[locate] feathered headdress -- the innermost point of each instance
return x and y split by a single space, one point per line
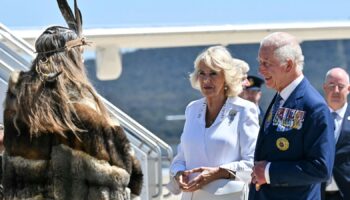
74 22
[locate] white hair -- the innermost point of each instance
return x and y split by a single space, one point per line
242 65
218 58
286 47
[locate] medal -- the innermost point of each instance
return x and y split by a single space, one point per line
282 144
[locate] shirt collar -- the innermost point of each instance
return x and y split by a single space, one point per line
285 93
341 111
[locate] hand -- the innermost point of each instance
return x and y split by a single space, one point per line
182 179
258 174
205 176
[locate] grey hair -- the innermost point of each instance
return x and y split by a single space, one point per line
218 58
286 47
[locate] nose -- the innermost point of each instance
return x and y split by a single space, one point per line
205 79
261 69
245 83
336 89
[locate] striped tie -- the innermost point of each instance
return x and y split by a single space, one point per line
273 111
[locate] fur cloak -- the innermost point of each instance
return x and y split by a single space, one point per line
95 164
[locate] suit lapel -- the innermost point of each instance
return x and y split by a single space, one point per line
262 127
296 96
345 127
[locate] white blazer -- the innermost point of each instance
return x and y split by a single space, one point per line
228 143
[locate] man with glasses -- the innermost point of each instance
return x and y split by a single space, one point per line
336 89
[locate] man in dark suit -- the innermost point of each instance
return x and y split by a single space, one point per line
336 89
295 147
252 92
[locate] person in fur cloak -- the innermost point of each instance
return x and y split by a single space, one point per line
60 142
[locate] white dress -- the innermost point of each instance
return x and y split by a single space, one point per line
229 142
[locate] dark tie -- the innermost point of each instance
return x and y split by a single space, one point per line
334 115
273 111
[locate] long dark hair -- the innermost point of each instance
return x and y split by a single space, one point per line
56 81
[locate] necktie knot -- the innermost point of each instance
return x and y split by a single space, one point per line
276 105
334 115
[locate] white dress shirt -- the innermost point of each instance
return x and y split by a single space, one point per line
338 120
228 143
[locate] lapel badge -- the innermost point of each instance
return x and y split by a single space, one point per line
282 144
348 118
232 114
269 117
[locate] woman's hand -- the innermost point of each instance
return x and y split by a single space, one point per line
182 179
205 176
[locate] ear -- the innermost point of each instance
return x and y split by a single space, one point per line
290 65
325 87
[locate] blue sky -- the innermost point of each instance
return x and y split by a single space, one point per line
24 14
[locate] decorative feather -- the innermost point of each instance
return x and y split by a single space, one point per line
74 21
78 18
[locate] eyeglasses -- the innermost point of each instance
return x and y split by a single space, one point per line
331 86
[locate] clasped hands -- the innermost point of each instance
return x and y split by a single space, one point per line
204 176
258 174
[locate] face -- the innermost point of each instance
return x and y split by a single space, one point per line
212 83
273 71
252 95
245 81
336 89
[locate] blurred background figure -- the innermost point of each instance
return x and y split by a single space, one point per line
336 89
252 92
244 67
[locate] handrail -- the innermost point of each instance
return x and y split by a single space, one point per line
11 59
5 70
19 42
124 119
143 130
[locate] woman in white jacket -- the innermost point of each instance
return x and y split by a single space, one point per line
220 131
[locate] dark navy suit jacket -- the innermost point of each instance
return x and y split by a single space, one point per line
261 115
297 172
341 169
